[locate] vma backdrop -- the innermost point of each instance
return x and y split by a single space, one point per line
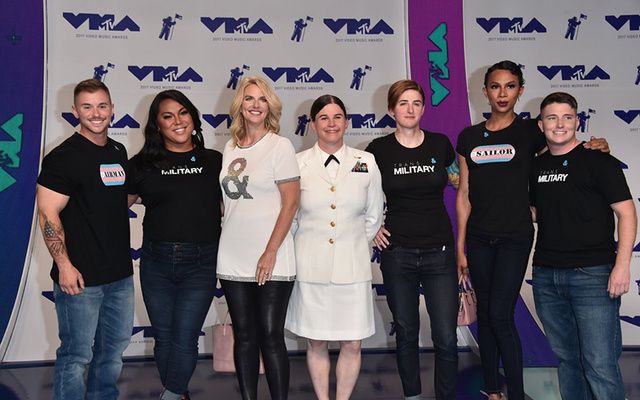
353 49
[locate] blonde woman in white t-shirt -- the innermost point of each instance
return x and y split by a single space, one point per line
256 263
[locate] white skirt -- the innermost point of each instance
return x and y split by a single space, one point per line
322 311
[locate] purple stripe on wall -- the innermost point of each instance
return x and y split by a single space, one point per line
21 88
436 47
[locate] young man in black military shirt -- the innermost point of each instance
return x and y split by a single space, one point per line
578 276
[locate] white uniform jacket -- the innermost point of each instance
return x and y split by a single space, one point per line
337 218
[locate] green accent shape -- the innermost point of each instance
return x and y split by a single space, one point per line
12 148
9 149
438 60
438 91
6 180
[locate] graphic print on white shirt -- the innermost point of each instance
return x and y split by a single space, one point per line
236 167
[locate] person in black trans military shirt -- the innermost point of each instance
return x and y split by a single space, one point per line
177 180
416 239
82 208
578 276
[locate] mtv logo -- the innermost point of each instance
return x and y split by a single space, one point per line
358 26
216 119
99 22
617 22
439 60
573 72
164 74
627 116
511 25
296 75
359 121
127 121
236 25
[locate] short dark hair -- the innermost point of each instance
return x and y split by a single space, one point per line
507 66
153 152
399 87
322 101
90 86
559 97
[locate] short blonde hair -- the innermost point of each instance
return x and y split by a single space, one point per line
271 122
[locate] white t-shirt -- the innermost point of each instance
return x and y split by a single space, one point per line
249 180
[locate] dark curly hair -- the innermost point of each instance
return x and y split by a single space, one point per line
507 66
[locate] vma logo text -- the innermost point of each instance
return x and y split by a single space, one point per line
627 116
237 25
438 71
215 120
358 26
619 21
297 75
511 25
573 72
97 22
165 74
360 121
126 121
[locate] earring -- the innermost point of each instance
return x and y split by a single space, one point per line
194 133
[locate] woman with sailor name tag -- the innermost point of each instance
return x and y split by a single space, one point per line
417 240
175 176
256 262
340 211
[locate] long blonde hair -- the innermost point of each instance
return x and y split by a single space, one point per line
271 122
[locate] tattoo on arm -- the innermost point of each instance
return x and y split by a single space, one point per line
54 238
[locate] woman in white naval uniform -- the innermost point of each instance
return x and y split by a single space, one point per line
340 211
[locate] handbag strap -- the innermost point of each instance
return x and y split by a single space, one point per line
464 283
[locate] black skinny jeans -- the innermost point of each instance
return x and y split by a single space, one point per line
497 267
258 314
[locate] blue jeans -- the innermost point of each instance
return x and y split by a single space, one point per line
94 328
178 282
404 270
497 267
583 327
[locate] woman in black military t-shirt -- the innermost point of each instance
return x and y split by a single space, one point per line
417 240
177 180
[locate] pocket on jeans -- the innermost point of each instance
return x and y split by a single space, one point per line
599 270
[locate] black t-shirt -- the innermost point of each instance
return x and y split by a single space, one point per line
499 166
413 180
182 200
96 218
572 194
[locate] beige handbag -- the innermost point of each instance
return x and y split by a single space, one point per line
467 308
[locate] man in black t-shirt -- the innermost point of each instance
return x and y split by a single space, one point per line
82 207
578 276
